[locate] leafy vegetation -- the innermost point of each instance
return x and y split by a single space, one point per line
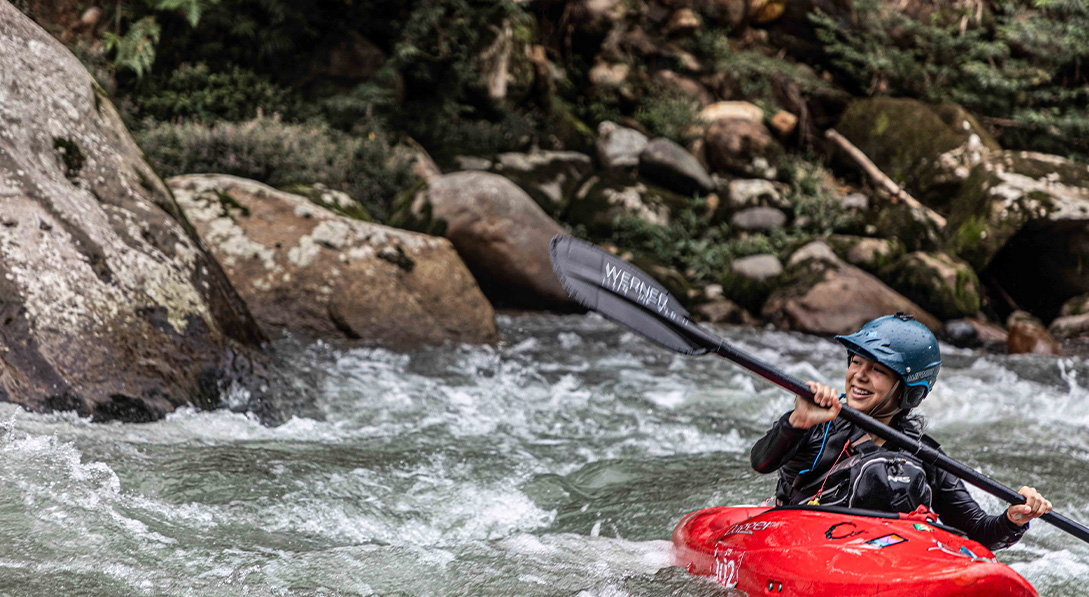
1019 62
281 154
664 113
195 93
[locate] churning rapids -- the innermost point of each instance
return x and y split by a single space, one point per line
554 464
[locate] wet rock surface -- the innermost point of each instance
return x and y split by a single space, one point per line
111 307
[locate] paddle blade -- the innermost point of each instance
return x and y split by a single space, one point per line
623 293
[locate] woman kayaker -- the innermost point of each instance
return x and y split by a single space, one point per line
893 362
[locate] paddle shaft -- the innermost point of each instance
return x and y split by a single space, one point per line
891 436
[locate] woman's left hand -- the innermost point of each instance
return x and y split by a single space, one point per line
1035 506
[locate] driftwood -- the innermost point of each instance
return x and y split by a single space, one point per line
880 178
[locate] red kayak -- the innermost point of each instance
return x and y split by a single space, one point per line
838 552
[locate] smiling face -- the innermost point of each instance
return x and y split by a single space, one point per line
867 385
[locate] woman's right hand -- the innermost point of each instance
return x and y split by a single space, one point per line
824 408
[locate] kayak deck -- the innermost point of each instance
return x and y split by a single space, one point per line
801 550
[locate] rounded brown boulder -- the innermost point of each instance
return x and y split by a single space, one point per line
304 269
824 295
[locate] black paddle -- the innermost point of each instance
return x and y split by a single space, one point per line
621 292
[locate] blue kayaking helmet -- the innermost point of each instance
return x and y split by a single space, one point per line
903 345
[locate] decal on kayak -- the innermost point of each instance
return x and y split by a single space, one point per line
887 540
843 530
748 528
923 528
963 552
727 566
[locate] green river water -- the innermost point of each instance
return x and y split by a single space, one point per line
555 464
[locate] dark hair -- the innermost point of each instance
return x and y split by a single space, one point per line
908 421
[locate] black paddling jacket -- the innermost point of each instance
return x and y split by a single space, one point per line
804 457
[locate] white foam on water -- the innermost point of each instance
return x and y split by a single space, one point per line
1060 566
446 441
569 340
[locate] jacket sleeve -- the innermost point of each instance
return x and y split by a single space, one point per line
778 446
956 508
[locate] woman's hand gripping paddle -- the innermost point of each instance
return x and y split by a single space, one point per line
621 292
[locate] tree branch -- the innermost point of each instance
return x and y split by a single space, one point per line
880 178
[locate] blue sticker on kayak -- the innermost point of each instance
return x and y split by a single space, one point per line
887 540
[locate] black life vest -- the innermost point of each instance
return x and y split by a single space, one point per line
874 478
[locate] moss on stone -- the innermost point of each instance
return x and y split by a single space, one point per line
978 227
591 207
924 278
569 129
1078 305
402 214
71 155
904 138
227 203
955 115
844 245
750 294
317 195
914 230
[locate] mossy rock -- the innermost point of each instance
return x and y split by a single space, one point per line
943 285
335 201
1078 305
747 292
910 226
568 129
906 138
1006 192
551 178
521 73
958 118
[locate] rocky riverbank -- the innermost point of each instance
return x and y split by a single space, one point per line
799 206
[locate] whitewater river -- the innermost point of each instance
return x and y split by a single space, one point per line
555 464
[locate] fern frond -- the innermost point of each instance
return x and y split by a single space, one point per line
135 50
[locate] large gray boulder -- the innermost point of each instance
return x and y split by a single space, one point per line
111 307
497 229
304 269
618 146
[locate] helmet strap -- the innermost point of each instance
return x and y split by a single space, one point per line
878 411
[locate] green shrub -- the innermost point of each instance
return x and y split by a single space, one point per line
1020 65
280 155
692 246
756 75
666 113
196 93
813 196
464 133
